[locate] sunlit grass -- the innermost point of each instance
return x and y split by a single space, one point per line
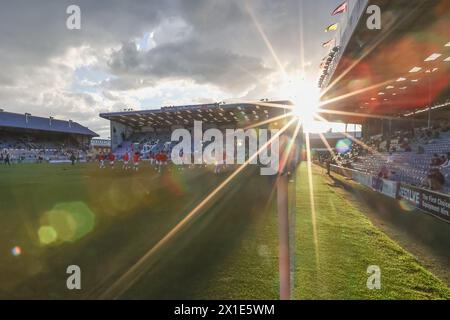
349 243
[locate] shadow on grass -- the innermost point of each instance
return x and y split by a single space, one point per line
184 269
412 228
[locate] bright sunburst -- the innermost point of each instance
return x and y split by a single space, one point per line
306 98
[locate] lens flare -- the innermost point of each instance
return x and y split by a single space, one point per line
16 251
343 146
66 222
405 205
175 181
47 235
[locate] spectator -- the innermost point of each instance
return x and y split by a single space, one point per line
435 161
390 158
384 173
328 162
436 180
446 163
7 159
72 159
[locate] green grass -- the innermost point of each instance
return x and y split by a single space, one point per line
132 211
228 251
347 244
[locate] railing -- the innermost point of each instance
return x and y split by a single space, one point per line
434 203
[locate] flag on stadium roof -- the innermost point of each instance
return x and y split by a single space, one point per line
332 27
328 43
340 9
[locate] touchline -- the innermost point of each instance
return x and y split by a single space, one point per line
237 145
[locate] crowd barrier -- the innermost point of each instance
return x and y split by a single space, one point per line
434 203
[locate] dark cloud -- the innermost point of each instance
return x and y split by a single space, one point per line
32 32
189 60
206 42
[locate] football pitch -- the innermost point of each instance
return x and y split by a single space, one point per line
105 221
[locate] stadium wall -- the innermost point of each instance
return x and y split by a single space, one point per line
119 132
433 203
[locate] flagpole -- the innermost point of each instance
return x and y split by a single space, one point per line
340 35
347 15
341 30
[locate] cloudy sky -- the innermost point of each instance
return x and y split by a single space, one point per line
146 54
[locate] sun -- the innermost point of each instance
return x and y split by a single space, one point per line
306 99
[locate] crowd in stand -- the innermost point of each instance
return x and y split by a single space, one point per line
419 157
25 148
39 156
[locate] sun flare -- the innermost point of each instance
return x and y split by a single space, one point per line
306 99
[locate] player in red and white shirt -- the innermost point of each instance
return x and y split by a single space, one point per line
101 160
161 160
126 160
136 161
151 156
111 158
164 158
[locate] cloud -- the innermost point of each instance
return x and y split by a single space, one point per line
187 49
188 60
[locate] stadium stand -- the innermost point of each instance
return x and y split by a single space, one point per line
402 105
416 162
149 131
99 146
27 138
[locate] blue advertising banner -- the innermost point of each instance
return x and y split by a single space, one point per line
434 203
